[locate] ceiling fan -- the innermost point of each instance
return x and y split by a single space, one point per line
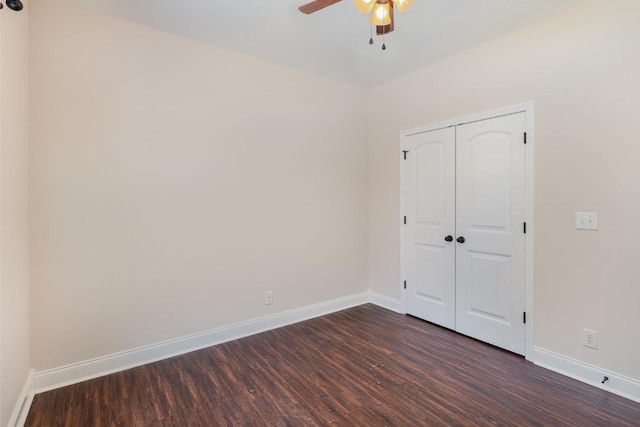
381 11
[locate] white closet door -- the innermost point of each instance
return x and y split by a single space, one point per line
490 215
429 196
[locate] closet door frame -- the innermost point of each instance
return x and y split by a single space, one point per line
528 109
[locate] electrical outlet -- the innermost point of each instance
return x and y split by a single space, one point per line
589 338
268 297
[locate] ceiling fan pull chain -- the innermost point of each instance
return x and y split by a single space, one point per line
370 34
384 46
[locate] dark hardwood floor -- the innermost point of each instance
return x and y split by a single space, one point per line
365 366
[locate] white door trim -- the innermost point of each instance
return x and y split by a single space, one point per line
527 108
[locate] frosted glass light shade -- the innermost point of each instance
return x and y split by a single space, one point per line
380 15
402 5
365 6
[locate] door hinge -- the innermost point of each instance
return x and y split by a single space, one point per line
524 227
405 220
405 284
524 317
525 137
405 154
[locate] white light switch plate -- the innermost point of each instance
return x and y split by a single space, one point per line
586 220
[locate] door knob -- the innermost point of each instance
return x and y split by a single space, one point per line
448 239
460 239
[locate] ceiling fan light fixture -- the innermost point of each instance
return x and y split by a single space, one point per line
403 5
381 15
365 6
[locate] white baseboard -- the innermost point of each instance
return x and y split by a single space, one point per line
21 410
592 375
384 301
89 369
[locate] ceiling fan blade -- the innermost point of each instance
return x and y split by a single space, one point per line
316 5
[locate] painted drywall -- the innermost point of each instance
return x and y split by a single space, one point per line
581 69
173 183
14 253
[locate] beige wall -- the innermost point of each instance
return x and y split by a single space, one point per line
581 69
14 263
173 183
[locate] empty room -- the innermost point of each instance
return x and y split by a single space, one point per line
309 213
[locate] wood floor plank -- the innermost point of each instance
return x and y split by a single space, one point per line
364 366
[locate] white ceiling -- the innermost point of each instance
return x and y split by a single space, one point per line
334 42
